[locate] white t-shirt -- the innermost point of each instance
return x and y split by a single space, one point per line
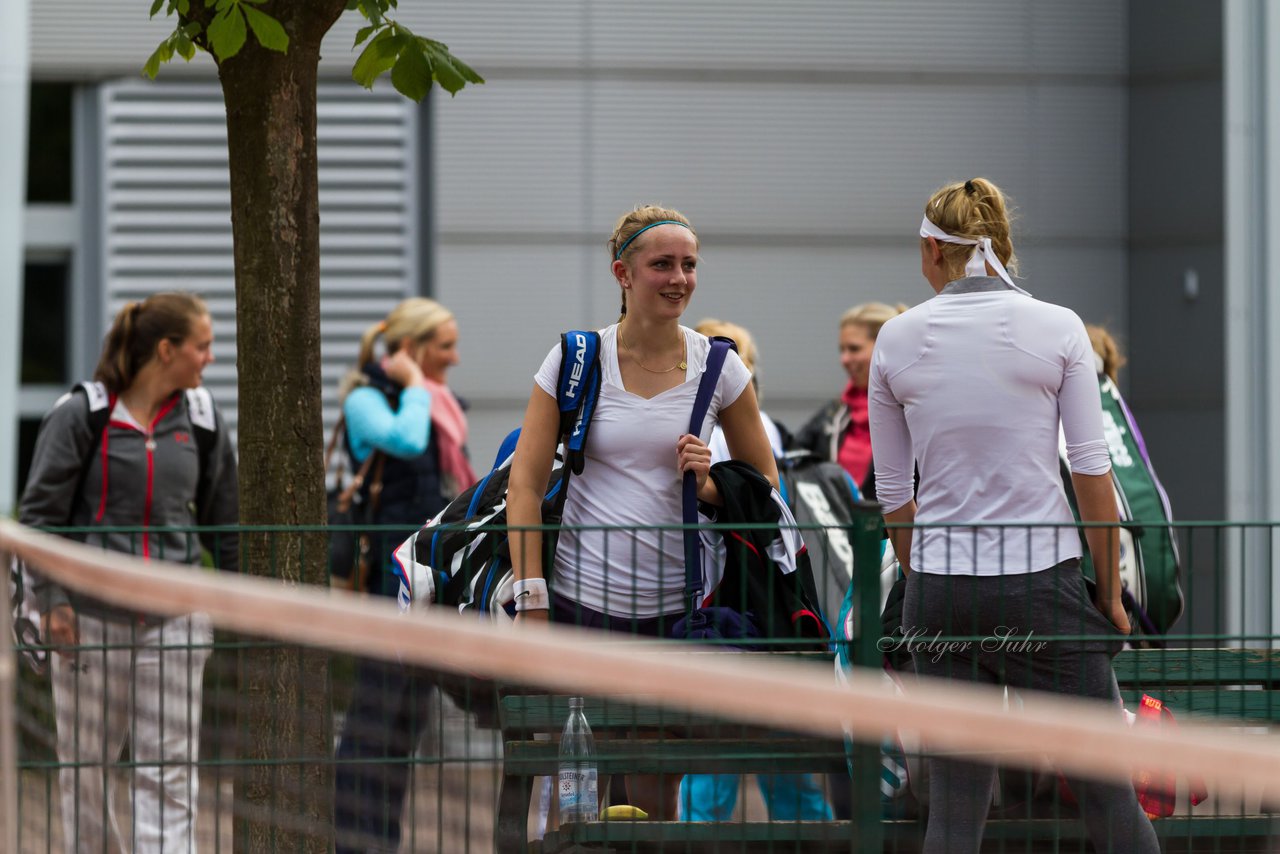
630 479
720 446
970 386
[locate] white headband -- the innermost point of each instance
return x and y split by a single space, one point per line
981 257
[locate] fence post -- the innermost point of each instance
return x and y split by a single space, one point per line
8 720
865 535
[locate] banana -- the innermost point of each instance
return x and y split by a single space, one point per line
623 812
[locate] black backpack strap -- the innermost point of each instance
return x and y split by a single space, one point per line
720 348
577 392
100 403
204 424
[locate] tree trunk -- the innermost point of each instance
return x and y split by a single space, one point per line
284 785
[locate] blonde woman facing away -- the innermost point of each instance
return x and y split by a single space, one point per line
970 387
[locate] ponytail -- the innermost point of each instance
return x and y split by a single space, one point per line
367 342
355 377
137 331
974 209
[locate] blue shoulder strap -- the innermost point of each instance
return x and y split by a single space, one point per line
578 391
720 348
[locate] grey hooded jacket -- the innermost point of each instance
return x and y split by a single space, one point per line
149 482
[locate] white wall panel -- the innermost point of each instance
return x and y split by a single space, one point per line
857 160
511 158
512 302
860 159
820 33
167 212
91 38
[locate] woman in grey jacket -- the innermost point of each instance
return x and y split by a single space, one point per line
142 448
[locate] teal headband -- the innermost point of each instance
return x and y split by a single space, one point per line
627 242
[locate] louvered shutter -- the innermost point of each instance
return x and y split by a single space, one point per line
166 212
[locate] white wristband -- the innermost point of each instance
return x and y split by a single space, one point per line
531 594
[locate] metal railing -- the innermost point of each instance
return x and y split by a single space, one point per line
456 780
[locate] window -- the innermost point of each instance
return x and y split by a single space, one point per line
45 328
28 428
49 155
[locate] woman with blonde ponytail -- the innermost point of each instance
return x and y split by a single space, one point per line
969 389
396 405
124 457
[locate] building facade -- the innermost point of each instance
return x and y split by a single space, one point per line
802 138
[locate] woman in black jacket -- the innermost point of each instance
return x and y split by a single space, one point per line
838 432
397 405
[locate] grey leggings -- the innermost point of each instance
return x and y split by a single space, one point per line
1050 602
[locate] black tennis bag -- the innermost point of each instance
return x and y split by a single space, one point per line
461 558
821 495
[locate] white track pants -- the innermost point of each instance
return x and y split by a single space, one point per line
142 683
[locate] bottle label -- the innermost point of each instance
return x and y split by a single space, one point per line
578 794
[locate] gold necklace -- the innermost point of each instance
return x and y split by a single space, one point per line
682 365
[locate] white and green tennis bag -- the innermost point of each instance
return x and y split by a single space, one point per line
1150 564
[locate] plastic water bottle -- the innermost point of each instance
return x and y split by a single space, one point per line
578 801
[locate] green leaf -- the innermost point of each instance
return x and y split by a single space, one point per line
378 56
192 29
374 10
267 30
183 46
362 34
184 7
152 66
447 76
155 7
451 73
468 73
227 33
412 72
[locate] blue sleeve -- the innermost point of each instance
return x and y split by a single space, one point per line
371 425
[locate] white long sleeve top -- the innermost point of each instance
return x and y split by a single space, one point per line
970 386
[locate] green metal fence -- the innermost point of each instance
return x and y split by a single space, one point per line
273 717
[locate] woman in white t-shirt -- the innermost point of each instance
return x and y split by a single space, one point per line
969 388
630 576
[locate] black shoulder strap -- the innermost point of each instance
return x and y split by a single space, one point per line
204 424
99 414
